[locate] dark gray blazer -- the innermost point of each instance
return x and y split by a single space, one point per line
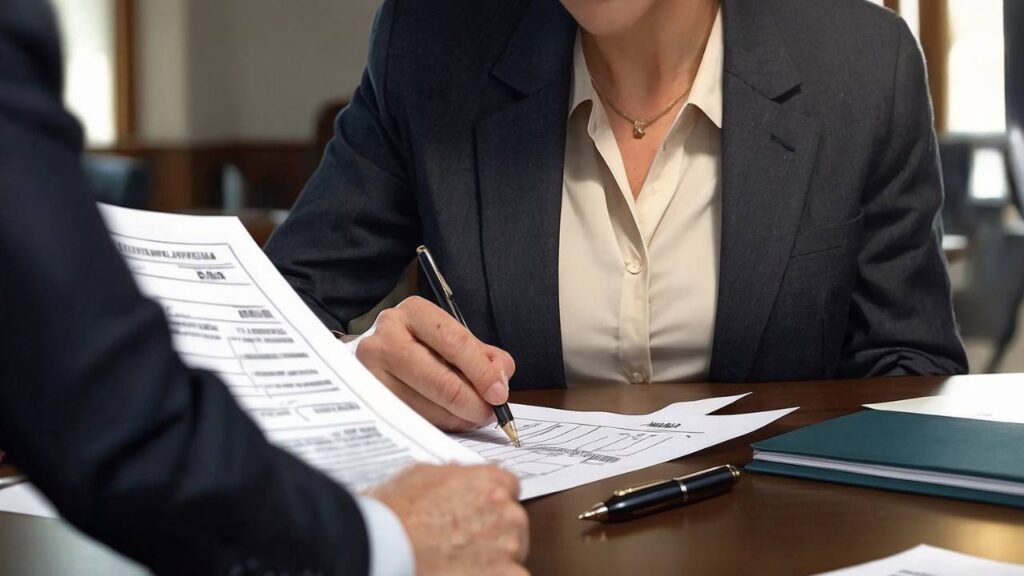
135 449
830 255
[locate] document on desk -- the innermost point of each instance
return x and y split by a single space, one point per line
230 312
563 449
1005 405
927 560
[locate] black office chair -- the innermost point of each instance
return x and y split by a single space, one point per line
988 302
118 180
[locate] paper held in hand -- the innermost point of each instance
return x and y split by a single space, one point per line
230 312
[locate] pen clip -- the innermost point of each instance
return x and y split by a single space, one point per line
729 467
627 491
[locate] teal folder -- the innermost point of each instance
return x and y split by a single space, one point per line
951 457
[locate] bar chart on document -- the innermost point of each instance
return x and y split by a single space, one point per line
563 448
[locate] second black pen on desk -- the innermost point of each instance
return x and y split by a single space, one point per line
446 298
657 496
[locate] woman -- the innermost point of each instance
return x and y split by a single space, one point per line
633 191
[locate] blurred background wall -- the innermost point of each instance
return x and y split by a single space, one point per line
213 93
251 70
224 106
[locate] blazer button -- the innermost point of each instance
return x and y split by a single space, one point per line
638 378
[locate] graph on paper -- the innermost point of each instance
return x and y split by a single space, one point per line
563 448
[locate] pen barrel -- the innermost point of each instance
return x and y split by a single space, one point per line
503 413
709 483
646 500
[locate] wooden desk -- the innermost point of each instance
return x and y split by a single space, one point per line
766 525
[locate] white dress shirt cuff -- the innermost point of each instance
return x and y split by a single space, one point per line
390 550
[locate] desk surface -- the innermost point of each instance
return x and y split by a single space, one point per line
766 525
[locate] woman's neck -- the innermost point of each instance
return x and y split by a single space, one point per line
656 59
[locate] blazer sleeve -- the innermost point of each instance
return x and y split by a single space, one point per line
901 315
355 227
154 459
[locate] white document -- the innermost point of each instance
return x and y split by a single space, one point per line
25 498
230 312
563 449
1005 405
927 560
534 459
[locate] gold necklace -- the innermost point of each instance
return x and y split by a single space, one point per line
639 125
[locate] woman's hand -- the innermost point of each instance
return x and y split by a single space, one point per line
436 366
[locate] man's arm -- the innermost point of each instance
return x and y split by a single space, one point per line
901 316
152 458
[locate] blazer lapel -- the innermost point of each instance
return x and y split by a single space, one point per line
520 155
768 153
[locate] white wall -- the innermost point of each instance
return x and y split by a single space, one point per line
293 56
87 34
253 70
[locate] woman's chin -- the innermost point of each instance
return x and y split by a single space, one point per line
607 17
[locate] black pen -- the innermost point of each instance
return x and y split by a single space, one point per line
446 298
664 494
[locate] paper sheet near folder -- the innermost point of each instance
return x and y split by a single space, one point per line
996 404
927 560
230 312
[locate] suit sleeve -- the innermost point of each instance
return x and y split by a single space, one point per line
355 227
901 315
135 449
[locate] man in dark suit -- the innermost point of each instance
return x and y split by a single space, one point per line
138 451
825 260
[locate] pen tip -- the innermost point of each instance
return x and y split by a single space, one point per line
512 433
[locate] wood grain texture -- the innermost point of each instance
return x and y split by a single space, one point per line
189 176
766 525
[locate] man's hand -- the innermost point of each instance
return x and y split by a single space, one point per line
436 366
460 519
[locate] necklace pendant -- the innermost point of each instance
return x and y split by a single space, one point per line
639 128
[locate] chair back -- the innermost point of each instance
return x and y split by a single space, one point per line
118 180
